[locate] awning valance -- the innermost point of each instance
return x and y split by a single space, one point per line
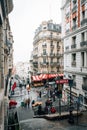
44 76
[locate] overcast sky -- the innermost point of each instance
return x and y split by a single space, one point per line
26 16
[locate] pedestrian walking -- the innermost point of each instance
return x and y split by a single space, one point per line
53 95
28 102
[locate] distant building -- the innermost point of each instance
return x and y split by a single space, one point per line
47 54
23 71
74 35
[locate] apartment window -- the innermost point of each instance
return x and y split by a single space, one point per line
73 60
74 57
83 15
74 40
85 80
74 2
74 21
44 27
74 80
44 60
51 34
57 44
51 50
51 43
51 60
83 37
44 51
83 58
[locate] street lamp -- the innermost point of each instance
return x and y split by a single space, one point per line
78 103
71 120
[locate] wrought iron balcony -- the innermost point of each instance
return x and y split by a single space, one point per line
67 14
44 54
53 63
53 37
83 1
73 46
84 21
74 9
52 46
58 55
44 63
58 47
35 62
44 46
83 43
67 47
74 27
52 54
34 56
74 63
67 31
84 87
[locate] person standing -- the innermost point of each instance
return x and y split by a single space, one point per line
40 94
28 102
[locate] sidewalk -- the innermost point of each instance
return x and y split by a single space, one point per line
64 115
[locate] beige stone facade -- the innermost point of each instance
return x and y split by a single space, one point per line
47 49
6 51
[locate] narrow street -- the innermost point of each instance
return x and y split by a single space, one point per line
27 122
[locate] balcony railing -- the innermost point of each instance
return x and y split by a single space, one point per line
73 46
67 31
52 46
44 46
83 43
74 63
83 1
53 63
74 27
52 54
84 87
35 62
44 54
58 48
67 47
74 9
67 14
43 63
58 55
37 39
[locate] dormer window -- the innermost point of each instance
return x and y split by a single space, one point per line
44 27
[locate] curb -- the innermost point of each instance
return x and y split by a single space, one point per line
56 116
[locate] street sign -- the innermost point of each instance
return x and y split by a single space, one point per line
62 81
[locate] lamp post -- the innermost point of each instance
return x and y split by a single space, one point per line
71 120
78 103
58 94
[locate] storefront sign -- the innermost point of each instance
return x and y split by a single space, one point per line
62 81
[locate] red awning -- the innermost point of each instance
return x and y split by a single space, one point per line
45 76
36 78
